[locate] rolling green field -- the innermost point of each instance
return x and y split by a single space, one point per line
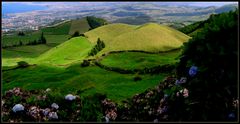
90 79
11 56
58 63
138 60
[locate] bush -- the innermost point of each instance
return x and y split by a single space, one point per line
85 63
23 64
137 78
91 108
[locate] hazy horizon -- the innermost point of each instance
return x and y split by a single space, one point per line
203 4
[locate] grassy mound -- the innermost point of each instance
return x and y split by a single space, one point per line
67 52
108 32
148 37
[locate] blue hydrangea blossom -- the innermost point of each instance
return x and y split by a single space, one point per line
193 71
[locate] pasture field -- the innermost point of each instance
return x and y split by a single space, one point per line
75 78
139 60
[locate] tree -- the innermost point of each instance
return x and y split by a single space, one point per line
43 39
85 63
98 47
22 64
76 34
214 52
21 33
20 43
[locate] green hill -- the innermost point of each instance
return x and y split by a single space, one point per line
67 52
108 32
148 37
60 29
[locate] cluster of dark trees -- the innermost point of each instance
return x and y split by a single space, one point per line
76 34
95 22
21 33
85 63
214 51
41 40
98 47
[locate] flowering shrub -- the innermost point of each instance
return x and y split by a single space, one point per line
193 71
18 107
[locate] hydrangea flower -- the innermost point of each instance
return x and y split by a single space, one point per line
45 111
70 97
53 115
185 92
34 112
18 107
48 89
107 119
181 81
54 105
231 116
193 71
155 121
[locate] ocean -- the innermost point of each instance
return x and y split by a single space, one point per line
20 7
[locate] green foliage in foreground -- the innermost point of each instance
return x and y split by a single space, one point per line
215 52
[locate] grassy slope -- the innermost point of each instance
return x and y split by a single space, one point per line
67 52
59 29
54 36
133 60
92 79
148 37
108 32
79 25
11 56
